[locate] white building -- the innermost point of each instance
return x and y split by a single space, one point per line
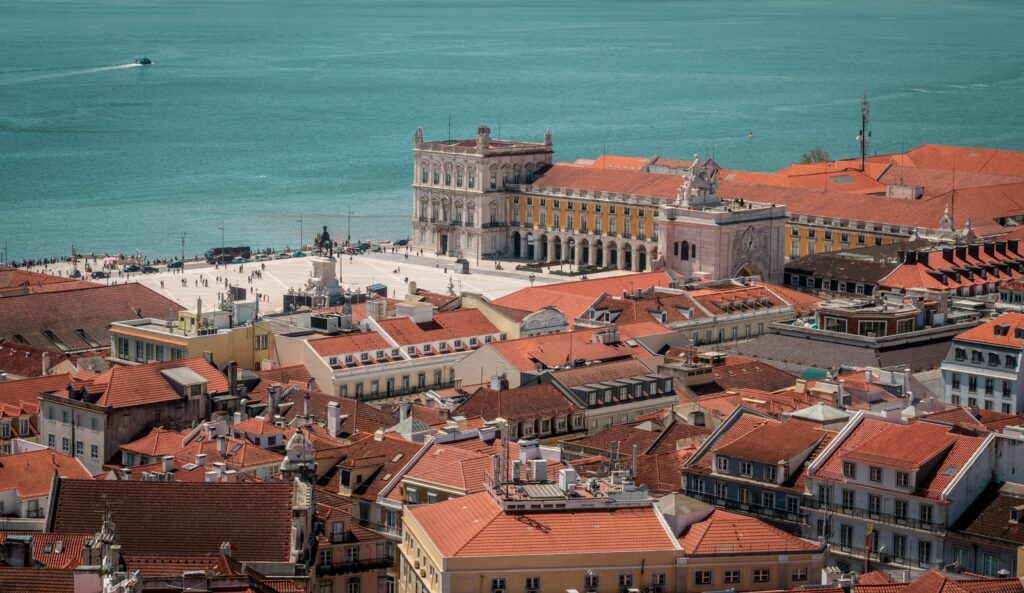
459 191
983 367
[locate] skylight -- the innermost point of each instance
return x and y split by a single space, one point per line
950 470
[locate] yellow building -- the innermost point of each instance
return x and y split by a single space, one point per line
143 340
595 537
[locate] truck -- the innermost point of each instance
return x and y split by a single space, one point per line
224 255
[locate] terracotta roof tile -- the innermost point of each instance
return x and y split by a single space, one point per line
515 405
985 333
126 386
451 325
31 473
156 443
774 441
181 518
349 344
484 530
553 350
377 462
723 532
54 550
28 390
37 580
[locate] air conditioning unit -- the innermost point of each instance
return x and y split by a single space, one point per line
416 565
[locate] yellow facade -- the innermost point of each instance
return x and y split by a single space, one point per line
581 216
247 345
808 238
424 569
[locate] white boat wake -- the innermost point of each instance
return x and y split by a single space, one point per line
66 73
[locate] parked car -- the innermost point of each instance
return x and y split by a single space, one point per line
131 268
99 275
283 256
299 254
176 264
401 242
148 269
262 257
74 273
239 260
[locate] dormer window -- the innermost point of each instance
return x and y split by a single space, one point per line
380 354
473 342
442 347
770 473
333 361
364 357
411 350
849 469
722 463
458 343
395 353
348 359
746 468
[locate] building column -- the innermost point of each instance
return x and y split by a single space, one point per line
636 258
537 249
551 247
607 255
524 246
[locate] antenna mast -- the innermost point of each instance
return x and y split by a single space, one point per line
862 139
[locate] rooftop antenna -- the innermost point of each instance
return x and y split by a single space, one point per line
862 139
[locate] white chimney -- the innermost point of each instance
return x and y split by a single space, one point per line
495 383
238 417
841 394
529 449
3 377
515 470
222 447
867 376
46 363
168 463
333 419
201 459
404 409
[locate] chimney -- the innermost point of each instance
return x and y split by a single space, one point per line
947 254
232 377
305 406
867 376
567 480
841 394
225 549
168 463
334 419
3 377
201 459
378 435
495 383
529 449
237 418
973 251
242 408
311 384
272 392
208 356
222 446
46 363
404 409
540 469
16 551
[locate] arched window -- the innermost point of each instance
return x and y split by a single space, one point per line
437 174
448 174
516 171
424 209
494 177
685 250
675 249
472 177
458 176
693 251
424 172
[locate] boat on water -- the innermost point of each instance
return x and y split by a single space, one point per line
143 61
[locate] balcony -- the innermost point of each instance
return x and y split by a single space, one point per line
885 518
750 508
493 225
337 568
378 527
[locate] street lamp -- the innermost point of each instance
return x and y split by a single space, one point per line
300 231
221 227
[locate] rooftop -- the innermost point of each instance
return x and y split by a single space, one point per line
31 473
725 533
1006 331
126 386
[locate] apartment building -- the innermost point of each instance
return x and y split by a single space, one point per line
408 354
25 485
983 367
874 496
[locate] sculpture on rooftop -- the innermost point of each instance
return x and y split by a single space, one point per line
323 243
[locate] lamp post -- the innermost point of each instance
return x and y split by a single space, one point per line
300 231
221 227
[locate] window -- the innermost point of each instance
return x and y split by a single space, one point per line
497 584
702 577
799 574
924 552
960 354
902 479
768 499
531 583
899 546
65 444
412 495
625 580
925 511
849 499
846 535
51 441
900 508
874 504
354 584
723 463
875 475
326 586
972 385
849 469
956 380
721 491
1011 361
352 554
792 504
990 565
993 359
591 582
990 385
94 451
746 468
762 575
731 577
325 557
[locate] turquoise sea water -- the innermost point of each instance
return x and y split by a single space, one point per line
258 112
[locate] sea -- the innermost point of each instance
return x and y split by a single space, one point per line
260 121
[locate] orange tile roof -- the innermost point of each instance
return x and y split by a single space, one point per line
574 297
663 472
156 443
611 161
450 325
772 442
554 349
181 518
620 181
357 415
484 530
28 390
985 333
126 386
37 580
12 279
936 582
31 473
349 344
516 405
65 549
977 419
723 532
240 453
378 461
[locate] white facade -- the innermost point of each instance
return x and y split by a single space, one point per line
459 191
983 376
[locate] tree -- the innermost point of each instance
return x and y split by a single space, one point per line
814 155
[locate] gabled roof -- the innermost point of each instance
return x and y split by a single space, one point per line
181 518
37 580
156 443
31 473
596 373
376 458
551 350
977 419
484 530
989 516
27 390
17 281
574 297
88 309
772 442
936 582
54 550
349 344
126 386
986 332
515 405
723 532
450 325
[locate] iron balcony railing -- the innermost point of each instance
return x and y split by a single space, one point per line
879 517
336 568
750 508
